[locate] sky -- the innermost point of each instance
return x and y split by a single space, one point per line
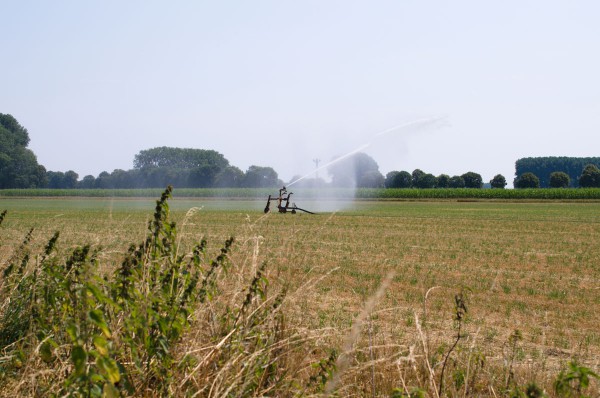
282 83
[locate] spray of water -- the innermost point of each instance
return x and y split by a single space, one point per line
415 124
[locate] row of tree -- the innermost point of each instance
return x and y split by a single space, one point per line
419 179
158 177
589 178
199 168
153 168
544 167
362 171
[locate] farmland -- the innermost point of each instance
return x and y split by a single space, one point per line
374 281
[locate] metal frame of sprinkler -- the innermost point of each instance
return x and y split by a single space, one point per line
283 203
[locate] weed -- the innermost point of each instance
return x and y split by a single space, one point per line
513 347
460 311
573 381
116 333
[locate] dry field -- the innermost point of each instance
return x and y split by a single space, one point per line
375 284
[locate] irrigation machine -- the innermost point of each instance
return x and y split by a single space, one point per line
283 203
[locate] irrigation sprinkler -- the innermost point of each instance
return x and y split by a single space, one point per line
283 203
283 200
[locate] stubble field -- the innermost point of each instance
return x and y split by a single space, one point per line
376 283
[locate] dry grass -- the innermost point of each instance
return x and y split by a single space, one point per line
531 267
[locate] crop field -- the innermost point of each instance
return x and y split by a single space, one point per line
331 193
376 298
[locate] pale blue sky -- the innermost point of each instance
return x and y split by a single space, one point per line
279 83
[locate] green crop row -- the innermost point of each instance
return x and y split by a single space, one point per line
469 193
140 193
327 193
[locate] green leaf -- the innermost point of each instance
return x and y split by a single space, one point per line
97 317
46 352
101 345
110 391
99 295
72 332
109 366
79 358
95 391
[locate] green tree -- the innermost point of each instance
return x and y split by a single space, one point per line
56 179
70 179
183 167
398 179
389 179
544 166
527 180
456 182
229 177
203 176
417 174
371 179
498 181
443 181
88 182
178 158
472 180
103 181
120 179
60 180
18 165
18 134
426 180
590 177
559 179
157 177
261 177
354 171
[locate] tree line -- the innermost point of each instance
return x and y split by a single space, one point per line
557 172
201 176
419 179
153 168
200 168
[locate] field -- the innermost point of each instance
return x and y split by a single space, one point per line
376 292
